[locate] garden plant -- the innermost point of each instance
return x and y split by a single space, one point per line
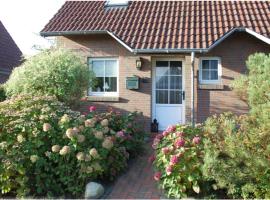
178 160
48 150
54 72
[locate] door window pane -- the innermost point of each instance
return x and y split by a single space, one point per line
162 96
162 71
176 82
175 97
162 64
175 68
162 82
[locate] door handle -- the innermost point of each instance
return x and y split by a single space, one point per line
183 95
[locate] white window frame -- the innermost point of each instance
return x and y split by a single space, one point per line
218 81
105 94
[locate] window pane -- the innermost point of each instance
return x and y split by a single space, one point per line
98 68
205 64
205 74
175 68
162 82
110 84
162 96
214 64
162 64
175 97
98 87
162 71
111 68
176 82
214 75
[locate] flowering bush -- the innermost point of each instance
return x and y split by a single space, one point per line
49 150
178 160
125 128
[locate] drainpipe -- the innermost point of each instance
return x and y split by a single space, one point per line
192 89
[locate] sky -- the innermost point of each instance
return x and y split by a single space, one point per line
24 19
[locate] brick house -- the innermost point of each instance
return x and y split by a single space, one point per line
10 54
184 54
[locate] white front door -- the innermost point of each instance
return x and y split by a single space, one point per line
168 94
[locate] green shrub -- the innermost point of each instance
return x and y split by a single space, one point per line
49 150
237 148
178 161
237 156
57 73
240 85
2 93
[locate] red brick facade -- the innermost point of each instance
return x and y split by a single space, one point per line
233 53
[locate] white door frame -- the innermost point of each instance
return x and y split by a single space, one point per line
154 84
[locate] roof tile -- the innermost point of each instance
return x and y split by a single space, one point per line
164 24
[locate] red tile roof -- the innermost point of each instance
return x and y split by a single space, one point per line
163 24
10 54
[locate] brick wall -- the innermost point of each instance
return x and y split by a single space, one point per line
105 46
233 52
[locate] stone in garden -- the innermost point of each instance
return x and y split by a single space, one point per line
93 190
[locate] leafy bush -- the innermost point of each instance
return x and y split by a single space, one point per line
237 149
49 150
57 73
2 93
128 130
239 85
237 156
178 160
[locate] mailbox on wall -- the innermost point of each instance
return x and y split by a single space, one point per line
132 83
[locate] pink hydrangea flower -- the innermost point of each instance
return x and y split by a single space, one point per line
165 150
169 169
152 158
174 160
171 128
165 133
120 134
92 108
196 140
157 176
179 134
179 143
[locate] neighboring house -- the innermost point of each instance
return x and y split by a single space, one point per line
10 54
185 53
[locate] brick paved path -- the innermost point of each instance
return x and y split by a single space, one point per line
137 182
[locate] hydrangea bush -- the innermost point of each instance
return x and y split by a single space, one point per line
49 150
178 160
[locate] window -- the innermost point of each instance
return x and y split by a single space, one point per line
106 71
116 3
168 82
210 71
